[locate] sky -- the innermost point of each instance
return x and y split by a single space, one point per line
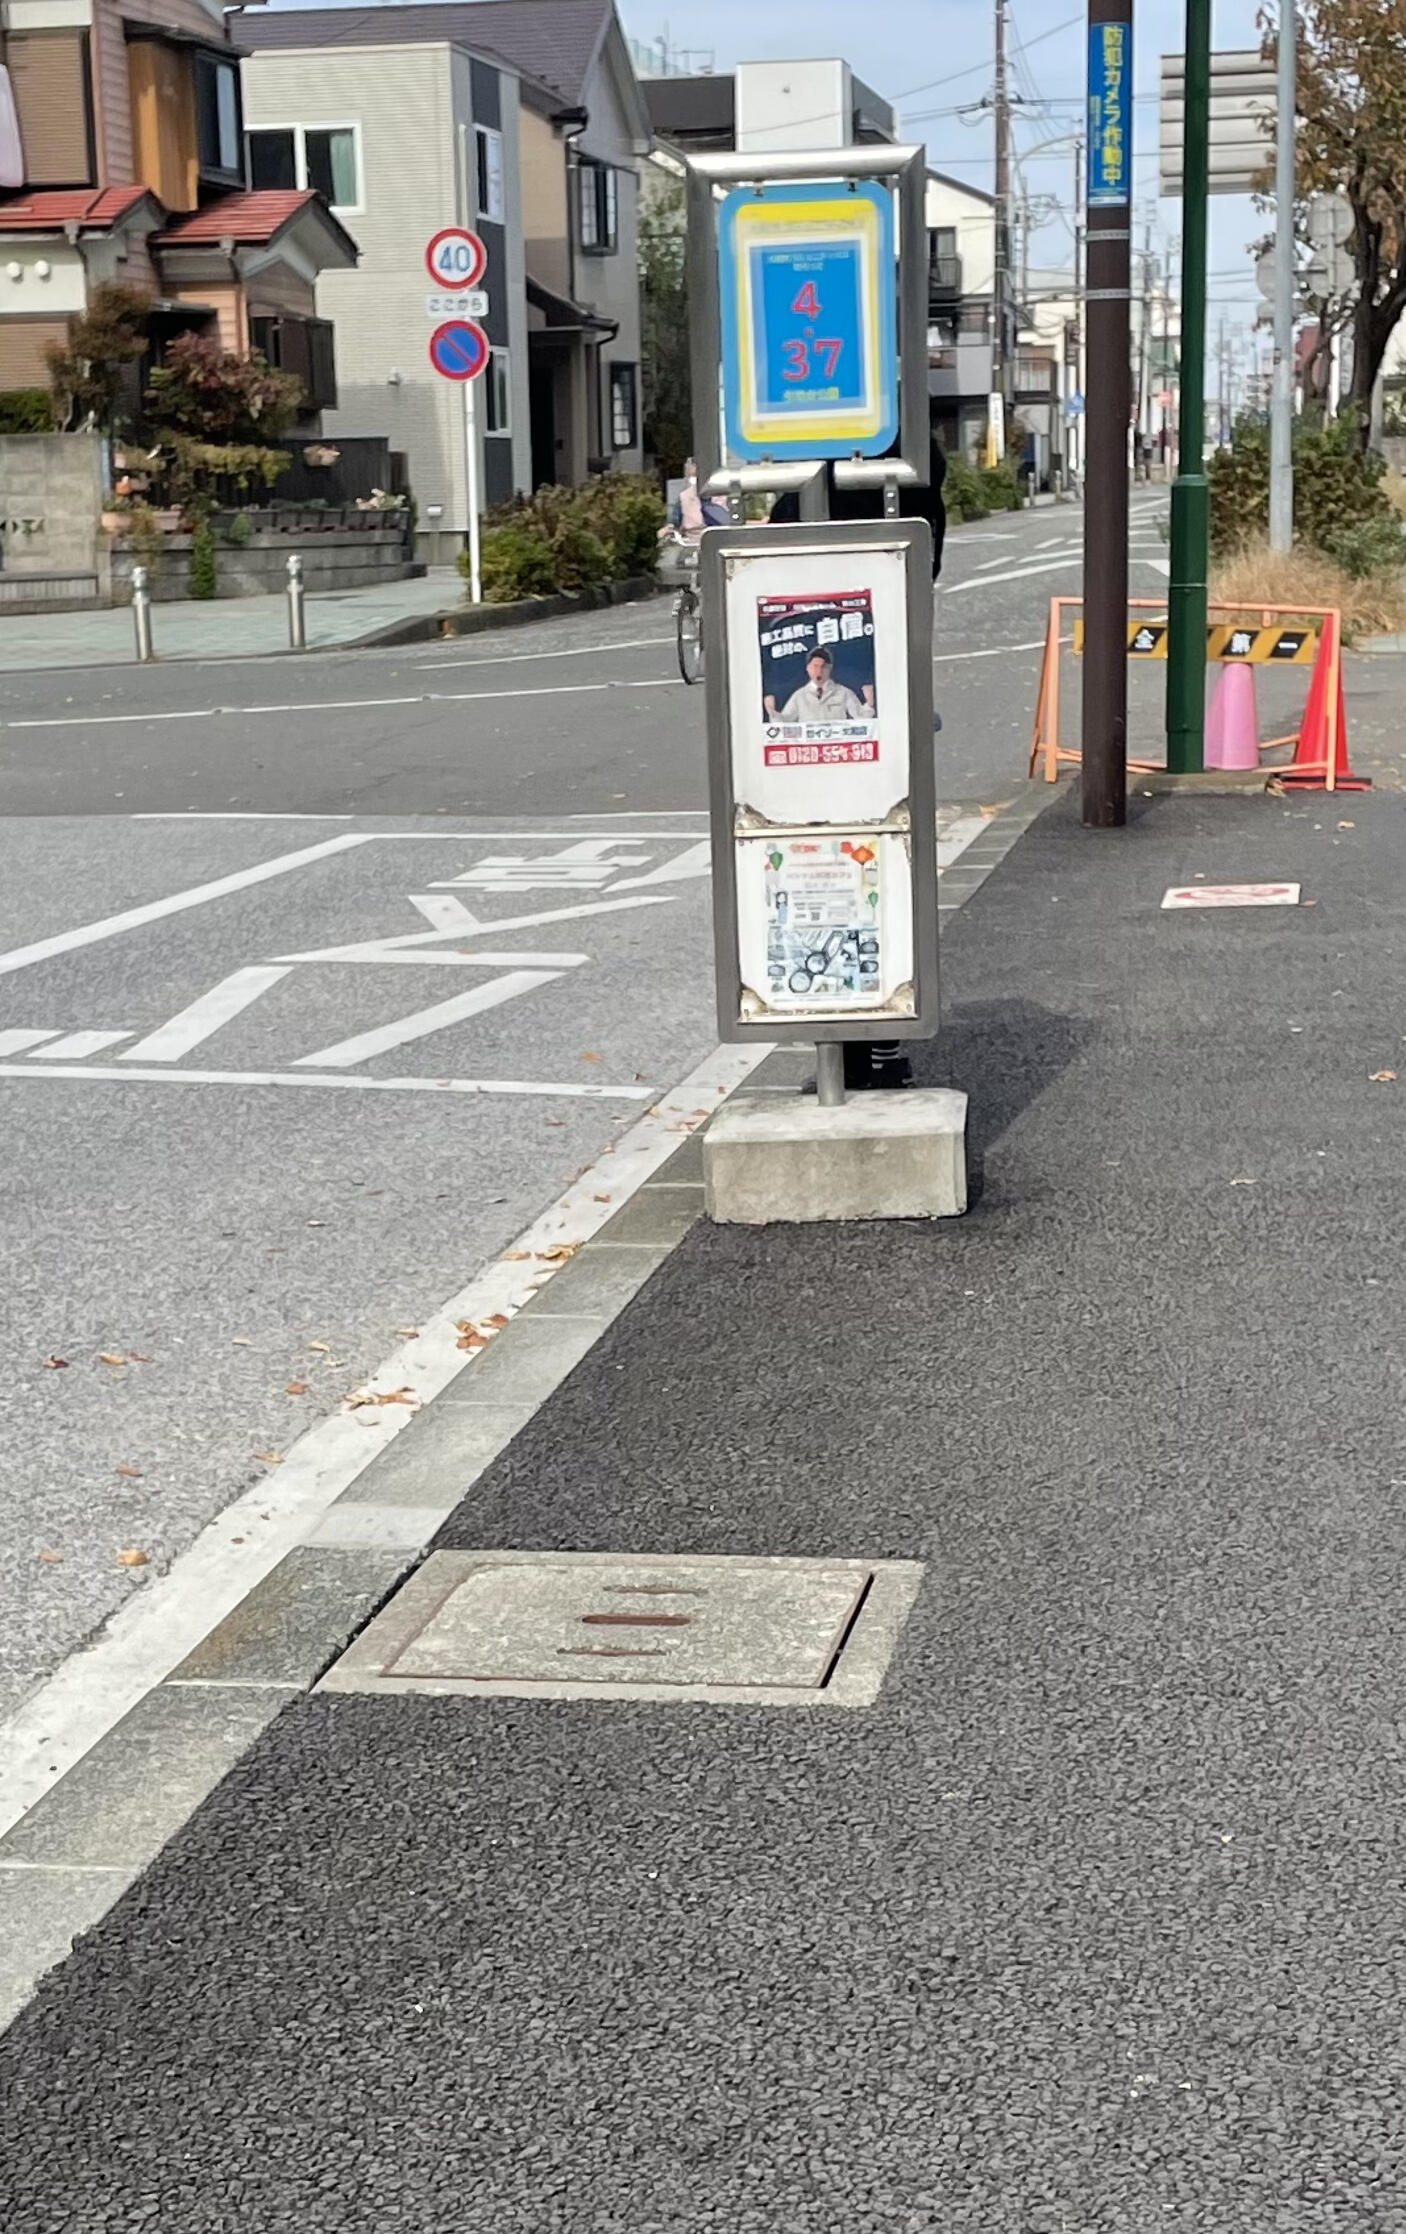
933 59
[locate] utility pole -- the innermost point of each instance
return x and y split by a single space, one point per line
1281 410
1000 365
1191 494
1107 297
1080 371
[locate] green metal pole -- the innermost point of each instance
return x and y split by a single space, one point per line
1191 496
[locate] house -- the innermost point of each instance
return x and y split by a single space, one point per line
122 158
521 118
961 222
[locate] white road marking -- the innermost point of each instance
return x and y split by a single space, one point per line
360 1049
575 651
1016 574
233 814
164 1620
131 919
543 1089
374 950
694 863
331 706
204 1016
1158 565
16 1041
998 651
76 1047
955 839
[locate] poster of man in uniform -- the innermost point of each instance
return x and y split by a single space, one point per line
819 696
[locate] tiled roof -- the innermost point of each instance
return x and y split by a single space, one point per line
554 41
51 209
249 219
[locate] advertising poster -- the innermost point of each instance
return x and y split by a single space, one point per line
819 704
823 923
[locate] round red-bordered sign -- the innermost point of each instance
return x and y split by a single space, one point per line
459 349
456 257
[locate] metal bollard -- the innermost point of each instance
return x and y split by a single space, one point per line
141 613
297 619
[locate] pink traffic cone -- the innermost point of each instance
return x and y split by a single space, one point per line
1232 727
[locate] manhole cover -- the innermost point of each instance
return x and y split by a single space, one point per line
595 1625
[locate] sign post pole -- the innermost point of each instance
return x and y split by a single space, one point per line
1281 423
1104 787
456 260
1191 495
472 484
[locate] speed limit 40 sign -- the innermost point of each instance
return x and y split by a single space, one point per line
456 257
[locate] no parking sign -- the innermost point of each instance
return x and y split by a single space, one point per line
459 349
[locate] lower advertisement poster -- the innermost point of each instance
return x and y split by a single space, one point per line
824 925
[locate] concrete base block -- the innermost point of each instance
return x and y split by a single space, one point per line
879 1155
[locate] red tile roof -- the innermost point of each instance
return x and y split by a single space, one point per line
49 211
247 218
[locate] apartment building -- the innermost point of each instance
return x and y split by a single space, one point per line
521 118
122 157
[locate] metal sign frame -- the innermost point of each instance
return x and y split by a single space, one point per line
709 177
912 820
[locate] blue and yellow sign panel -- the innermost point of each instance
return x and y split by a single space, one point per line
809 321
1110 115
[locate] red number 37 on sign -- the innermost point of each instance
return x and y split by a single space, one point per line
800 354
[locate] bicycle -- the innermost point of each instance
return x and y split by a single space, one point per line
688 615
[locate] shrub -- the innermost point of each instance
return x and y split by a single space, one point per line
1337 486
1375 546
239 530
26 411
213 396
94 376
962 491
202 559
569 540
1000 485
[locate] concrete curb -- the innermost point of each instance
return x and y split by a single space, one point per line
67 1860
478 620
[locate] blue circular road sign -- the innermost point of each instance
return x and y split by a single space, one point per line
459 349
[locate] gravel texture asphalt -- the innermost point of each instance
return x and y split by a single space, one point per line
1093 1924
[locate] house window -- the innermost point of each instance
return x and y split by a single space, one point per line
497 394
623 414
217 120
489 147
326 157
598 206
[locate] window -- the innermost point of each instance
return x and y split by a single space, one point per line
49 82
489 147
326 157
623 415
596 184
497 391
217 133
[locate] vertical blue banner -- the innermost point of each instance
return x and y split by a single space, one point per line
1110 115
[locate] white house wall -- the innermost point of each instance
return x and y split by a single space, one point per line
974 222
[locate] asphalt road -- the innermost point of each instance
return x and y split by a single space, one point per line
221 1222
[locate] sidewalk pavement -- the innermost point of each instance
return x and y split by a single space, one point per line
222 628
1093 1919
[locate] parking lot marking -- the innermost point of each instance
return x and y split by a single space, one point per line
532 1088
423 1021
15 1042
76 1047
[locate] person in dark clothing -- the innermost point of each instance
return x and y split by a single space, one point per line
868 504
879 1063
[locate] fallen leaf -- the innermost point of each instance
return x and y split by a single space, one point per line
590 1056
326 1346
516 1256
111 1357
410 1333
495 1319
242 1341
362 1397
1347 825
132 1473
52 1558
296 1388
140 1357
1383 1077
269 1458
600 1198
1242 1182
367 1417
1310 903
55 1364
554 1121
317 1221
237 1539
640 1077
132 1559
561 1252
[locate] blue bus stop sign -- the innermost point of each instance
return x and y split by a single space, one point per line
809 328
459 349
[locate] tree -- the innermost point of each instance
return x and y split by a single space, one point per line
92 375
220 416
1352 140
665 379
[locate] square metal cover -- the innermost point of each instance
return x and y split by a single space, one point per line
599 1625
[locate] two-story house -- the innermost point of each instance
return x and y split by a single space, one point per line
522 119
122 157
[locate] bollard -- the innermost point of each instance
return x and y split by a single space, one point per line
297 619
141 613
